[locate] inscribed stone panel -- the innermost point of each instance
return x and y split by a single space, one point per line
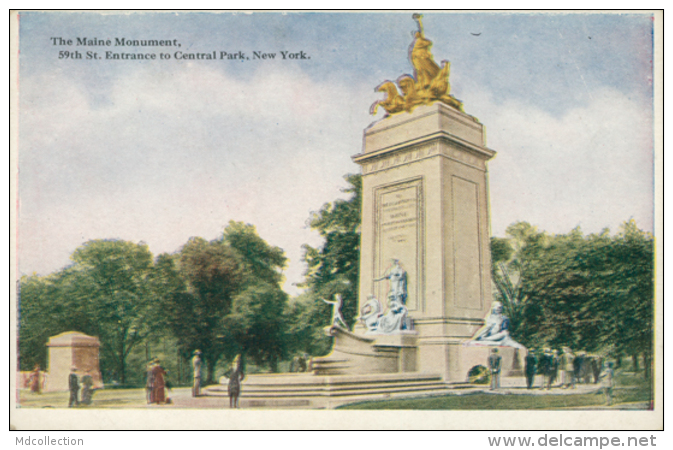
399 235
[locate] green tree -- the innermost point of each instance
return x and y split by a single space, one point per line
261 261
593 292
217 287
205 276
37 312
331 268
632 285
515 260
107 293
257 324
111 281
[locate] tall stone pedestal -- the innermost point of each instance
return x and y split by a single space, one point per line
425 203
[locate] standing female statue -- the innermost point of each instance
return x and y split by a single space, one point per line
425 67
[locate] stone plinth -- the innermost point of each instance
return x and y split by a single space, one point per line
463 358
368 354
72 349
425 203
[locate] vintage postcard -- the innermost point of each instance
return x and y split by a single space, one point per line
245 220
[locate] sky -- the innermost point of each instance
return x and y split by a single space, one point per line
158 151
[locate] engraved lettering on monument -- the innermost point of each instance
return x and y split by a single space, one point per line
399 234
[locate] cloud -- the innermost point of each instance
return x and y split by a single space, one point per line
174 154
591 166
163 155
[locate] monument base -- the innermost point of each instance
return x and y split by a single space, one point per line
368 354
307 391
454 360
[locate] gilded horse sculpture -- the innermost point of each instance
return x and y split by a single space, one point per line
429 84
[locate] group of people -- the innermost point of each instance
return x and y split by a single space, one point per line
553 365
75 383
156 383
567 366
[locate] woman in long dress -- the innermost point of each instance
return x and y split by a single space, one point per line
35 380
159 383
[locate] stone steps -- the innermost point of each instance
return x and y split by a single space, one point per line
267 391
310 391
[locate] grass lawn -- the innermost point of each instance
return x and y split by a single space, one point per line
478 401
631 388
632 392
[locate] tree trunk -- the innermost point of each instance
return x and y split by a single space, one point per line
634 358
122 361
122 369
211 363
179 368
273 364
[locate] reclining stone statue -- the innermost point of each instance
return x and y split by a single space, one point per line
495 331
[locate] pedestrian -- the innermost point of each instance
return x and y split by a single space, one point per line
87 388
546 362
495 363
589 364
531 368
553 372
235 378
149 386
568 367
159 382
196 365
596 367
35 380
608 383
73 386
578 365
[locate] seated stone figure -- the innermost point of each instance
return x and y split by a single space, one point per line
371 313
495 331
394 321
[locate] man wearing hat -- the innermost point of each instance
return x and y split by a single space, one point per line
545 367
494 363
196 364
531 368
568 368
73 386
149 387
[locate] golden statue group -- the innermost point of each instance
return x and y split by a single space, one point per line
429 84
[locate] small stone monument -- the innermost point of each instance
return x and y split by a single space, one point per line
72 349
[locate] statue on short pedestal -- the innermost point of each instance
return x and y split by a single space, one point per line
495 331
